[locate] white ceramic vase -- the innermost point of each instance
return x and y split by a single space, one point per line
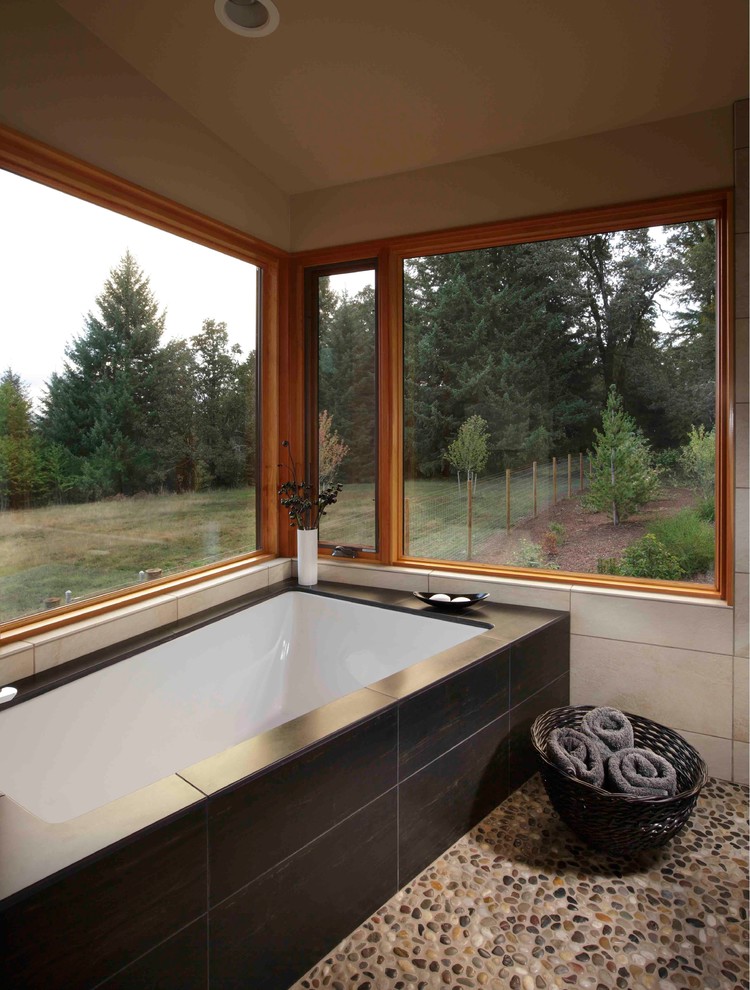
307 557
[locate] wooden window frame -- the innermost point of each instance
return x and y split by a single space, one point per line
33 160
391 253
282 359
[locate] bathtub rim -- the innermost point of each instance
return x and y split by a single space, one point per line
42 853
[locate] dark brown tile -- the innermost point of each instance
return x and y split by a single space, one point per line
254 756
436 668
33 850
523 759
180 963
253 827
436 720
268 934
513 622
539 659
446 798
362 593
90 924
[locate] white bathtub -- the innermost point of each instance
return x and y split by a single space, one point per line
100 737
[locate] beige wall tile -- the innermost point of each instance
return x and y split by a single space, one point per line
741 440
16 661
741 689
741 369
741 276
741 535
61 645
536 595
716 752
680 624
740 191
740 760
680 688
400 578
193 600
741 632
279 570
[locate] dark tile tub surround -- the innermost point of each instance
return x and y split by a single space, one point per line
88 924
268 933
247 867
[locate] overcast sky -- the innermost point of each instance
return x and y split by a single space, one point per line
56 252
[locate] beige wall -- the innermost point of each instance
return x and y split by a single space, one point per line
62 86
684 154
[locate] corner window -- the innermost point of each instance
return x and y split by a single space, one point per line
342 399
560 404
128 402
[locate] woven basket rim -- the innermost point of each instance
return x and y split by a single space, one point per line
615 795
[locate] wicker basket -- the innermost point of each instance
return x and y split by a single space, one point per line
620 823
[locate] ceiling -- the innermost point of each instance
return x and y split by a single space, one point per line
348 90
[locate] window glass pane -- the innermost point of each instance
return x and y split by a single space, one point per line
347 404
559 404
127 401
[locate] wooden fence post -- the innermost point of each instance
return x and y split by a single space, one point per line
407 524
570 475
533 483
468 516
554 480
580 472
507 500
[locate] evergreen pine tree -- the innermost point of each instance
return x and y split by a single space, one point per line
102 408
19 453
622 476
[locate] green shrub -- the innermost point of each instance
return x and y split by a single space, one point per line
607 565
698 460
669 464
560 532
648 558
706 509
531 555
689 538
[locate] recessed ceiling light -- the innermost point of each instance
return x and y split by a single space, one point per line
251 18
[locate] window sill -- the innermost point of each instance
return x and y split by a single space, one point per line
34 648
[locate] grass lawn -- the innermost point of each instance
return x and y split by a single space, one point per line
101 546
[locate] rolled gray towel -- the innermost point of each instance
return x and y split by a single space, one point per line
577 755
610 729
642 773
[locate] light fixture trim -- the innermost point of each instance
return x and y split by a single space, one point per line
271 23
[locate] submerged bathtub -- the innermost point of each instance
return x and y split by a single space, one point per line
130 724
259 780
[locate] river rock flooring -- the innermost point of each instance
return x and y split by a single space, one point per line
519 902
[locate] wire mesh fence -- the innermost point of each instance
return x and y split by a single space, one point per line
440 521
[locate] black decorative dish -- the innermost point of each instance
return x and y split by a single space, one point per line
450 603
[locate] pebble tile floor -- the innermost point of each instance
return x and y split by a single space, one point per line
519 902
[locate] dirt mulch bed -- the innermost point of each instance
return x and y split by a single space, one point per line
588 535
